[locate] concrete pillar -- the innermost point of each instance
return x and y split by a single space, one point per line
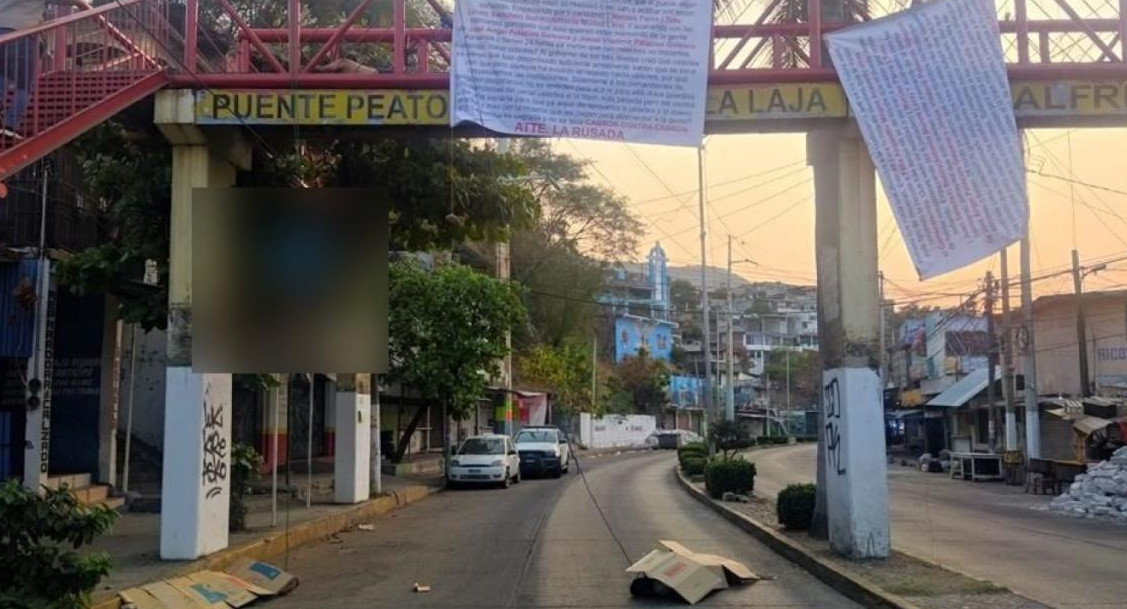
110 394
195 489
352 463
852 454
40 365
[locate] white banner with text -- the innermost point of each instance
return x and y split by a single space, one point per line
630 70
928 87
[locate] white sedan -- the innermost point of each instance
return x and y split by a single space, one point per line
485 459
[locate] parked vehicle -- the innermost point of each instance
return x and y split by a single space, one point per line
543 450
672 438
484 459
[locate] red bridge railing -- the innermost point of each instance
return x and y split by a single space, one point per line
77 70
772 41
86 66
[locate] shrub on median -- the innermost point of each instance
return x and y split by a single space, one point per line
795 506
694 450
735 475
694 465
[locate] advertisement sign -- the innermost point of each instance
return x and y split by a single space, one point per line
929 89
631 334
621 71
686 391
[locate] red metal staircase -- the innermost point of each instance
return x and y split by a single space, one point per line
90 65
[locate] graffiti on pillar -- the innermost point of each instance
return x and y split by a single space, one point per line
214 449
831 400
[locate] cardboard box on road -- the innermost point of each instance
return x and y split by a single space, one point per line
690 574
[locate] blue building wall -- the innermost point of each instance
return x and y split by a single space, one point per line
686 391
17 314
632 333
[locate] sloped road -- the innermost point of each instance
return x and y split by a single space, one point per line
542 543
986 529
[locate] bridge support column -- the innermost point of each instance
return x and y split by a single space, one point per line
195 489
352 462
852 452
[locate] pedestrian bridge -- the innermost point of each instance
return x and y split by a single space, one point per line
382 67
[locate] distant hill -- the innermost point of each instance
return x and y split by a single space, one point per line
717 277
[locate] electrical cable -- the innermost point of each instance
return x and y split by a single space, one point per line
723 183
598 507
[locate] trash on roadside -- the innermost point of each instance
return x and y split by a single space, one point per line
242 584
421 588
674 570
365 527
735 497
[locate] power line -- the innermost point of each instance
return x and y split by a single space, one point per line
724 183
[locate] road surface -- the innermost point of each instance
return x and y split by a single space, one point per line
986 529
541 543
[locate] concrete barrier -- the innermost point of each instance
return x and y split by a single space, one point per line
850 586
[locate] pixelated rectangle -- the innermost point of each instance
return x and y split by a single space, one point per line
289 280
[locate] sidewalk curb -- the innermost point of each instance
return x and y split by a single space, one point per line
276 544
850 586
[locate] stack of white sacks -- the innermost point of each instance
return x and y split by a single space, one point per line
1100 493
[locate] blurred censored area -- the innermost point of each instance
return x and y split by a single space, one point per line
289 280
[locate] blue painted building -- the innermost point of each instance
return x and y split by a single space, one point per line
640 307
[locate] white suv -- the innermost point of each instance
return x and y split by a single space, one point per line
543 450
485 459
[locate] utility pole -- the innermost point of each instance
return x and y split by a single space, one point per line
1081 332
883 349
788 379
991 361
594 371
706 329
730 404
1032 410
1007 356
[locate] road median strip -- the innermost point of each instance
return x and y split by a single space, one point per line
276 543
927 583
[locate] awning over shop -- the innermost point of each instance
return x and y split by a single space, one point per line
963 390
1090 425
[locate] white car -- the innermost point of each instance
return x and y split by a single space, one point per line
484 459
543 450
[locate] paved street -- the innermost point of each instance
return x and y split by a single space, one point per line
987 529
541 543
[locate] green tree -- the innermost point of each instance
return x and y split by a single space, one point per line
565 371
562 258
446 335
39 535
643 383
805 374
441 193
684 295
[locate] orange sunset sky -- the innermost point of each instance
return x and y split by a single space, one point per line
760 190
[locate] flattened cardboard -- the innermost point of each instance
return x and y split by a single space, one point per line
234 592
735 571
688 578
139 599
270 579
200 594
171 598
